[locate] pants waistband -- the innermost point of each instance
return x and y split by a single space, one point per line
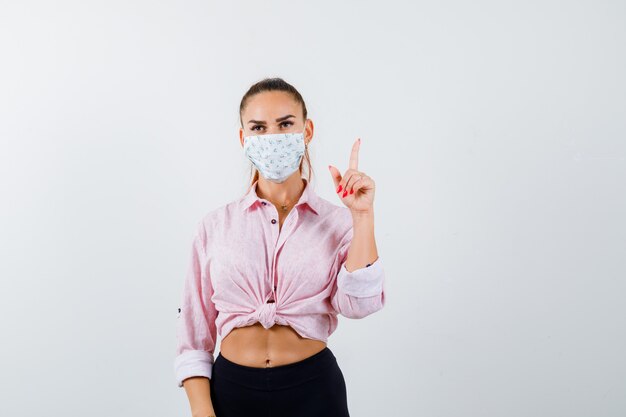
274 377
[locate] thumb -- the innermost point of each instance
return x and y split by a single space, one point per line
335 174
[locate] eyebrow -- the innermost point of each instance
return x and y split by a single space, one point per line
280 119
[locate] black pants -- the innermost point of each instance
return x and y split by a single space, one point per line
313 386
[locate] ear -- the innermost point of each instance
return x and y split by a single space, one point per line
308 127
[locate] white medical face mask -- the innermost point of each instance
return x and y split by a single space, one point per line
275 155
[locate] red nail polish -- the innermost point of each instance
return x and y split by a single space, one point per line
351 191
339 188
345 193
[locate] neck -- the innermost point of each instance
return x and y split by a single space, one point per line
287 192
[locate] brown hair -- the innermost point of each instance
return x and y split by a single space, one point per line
275 84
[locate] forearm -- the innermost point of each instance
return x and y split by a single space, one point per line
198 391
363 246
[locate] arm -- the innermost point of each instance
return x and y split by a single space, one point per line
196 332
363 246
199 394
359 289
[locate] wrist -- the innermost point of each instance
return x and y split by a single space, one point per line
362 216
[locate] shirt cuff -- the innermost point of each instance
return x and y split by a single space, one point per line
362 282
193 363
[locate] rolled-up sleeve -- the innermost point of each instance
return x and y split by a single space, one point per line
359 293
196 329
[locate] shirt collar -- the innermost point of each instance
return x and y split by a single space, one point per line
308 196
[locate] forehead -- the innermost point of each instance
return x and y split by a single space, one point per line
270 105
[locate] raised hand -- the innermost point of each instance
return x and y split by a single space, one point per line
355 188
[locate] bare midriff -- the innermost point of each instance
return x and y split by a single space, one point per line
259 347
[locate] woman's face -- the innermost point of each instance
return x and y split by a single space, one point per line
273 112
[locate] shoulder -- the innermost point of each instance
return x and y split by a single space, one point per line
211 220
339 216
223 216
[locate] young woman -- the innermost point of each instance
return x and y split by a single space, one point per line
270 272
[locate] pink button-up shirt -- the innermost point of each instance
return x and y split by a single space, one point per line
244 268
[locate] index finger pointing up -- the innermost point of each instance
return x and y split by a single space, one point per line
354 155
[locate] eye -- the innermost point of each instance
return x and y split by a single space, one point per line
287 122
255 127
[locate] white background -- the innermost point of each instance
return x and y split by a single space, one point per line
495 132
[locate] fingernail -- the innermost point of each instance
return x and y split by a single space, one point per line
351 191
345 193
339 188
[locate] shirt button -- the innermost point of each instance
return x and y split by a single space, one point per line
273 221
264 203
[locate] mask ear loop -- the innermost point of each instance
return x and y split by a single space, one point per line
306 144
